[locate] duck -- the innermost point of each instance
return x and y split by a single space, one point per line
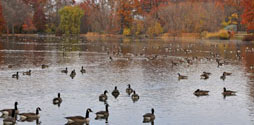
149 117
57 100
115 92
228 92
11 120
30 116
8 112
103 97
73 74
199 92
102 114
135 96
227 73
79 119
27 73
43 66
182 76
82 70
16 75
65 70
129 90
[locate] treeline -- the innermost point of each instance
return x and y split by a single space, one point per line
128 17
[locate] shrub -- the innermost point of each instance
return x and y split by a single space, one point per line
154 30
127 31
224 34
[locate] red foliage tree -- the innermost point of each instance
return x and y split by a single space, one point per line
248 14
1 19
39 19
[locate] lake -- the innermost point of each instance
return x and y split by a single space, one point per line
144 64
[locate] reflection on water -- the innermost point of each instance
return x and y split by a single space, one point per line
151 67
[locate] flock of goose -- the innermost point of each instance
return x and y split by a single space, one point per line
10 116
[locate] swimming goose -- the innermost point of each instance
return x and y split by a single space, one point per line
30 116
27 73
223 77
134 97
16 75
8 112
103 97
73 74
43 66
65 70
115 92
149 117
82 70
129 90
227 73
102 114
182 76
204 76
79 119
199 92
228 92
11 120
57 100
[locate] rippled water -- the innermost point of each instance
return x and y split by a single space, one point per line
155 80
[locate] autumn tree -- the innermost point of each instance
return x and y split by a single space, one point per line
1 19
70 19
39 19
248 14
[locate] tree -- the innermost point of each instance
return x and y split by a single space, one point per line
39 19
248 14
1 19
70 19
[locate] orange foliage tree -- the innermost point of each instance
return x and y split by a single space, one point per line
248 14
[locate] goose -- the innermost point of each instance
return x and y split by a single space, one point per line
30 116
103 97
16 75
43 66
182 76
134 96
82 70
228 92
227 73
207 73
223 77
8 112
204 76
65 70
10 120
149 117
27 73
79 119
129 90
110 58
115 92
73 74
102 114
199 92
58 99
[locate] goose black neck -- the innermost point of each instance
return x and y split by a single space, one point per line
87 114
37 111
224 89
15 106
106 108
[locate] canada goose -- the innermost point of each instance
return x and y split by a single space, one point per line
27 73
103 97
149 117
30 116
110 58
207 73
57 100
10 66
79 119
8 112
174 63
228 92
115 92
227 73
182 76
11 120
82 70
16 75
204 76
102 114
199 92
73 74
223 77
134 97
65 70
43 66
129 90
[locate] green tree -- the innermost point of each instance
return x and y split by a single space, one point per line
70 19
